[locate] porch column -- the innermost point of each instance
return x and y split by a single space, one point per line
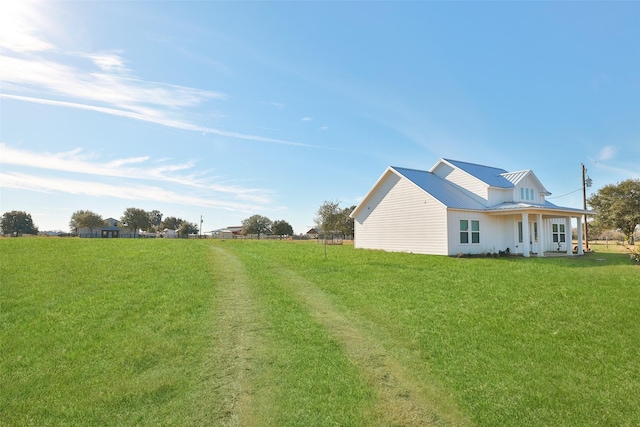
541 237
525 234
580 250
567 235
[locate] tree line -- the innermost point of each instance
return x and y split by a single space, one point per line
617 207
330 220
133 219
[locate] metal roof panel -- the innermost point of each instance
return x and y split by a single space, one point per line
441 189
487 174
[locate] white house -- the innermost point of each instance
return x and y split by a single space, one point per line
459 207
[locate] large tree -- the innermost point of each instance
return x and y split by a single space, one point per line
155 217
85 219
17 222
281 227
256 224
171 223
136 219
618 206
187 228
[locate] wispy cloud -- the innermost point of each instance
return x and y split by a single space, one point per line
607 153
20 25
110 62
40 72
623 171
307 119
111 89
162 121
135 168
134 191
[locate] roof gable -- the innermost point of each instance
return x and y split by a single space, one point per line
517 177
487 174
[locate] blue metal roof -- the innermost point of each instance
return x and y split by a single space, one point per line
490 175
441 189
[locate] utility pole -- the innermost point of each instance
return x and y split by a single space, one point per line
585 183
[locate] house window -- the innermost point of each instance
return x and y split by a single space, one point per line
557 232
475 231
464 231
521 193
520 236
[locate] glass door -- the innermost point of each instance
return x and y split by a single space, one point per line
558 237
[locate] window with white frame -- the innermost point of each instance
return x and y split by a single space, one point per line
557 232
469 227
527 194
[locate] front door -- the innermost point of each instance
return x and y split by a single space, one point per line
558 237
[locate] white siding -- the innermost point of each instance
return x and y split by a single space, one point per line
495 233
400 217
529 183
500 195
467 183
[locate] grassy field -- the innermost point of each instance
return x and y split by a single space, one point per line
255 333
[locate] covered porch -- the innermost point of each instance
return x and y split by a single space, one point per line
544 231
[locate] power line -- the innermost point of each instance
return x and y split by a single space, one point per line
571 192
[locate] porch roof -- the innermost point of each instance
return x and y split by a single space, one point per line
547 209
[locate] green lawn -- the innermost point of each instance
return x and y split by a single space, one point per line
204 332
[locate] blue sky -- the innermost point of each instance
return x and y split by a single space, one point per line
229 109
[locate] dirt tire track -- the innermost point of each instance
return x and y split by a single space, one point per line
402 401
236 333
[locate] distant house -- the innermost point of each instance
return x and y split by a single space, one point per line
169 234
459 207
313 233
111 230
236 230
225 234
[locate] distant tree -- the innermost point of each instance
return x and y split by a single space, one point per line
85 219
281 228
18 222
187 228
171 223
328 218
346 224
156 219
618 206
256 224
136 219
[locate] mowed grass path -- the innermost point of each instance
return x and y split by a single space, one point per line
166 332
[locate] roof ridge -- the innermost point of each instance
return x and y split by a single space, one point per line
520 171
473 164
410 169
